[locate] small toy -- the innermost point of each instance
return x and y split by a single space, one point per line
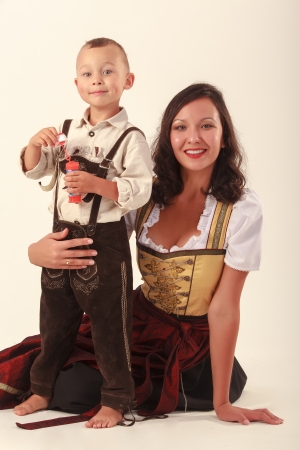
70 167
61 140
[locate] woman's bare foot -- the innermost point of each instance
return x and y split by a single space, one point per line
33 403
105 418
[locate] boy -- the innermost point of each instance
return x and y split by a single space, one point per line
102 290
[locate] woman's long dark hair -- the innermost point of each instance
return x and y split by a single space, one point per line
227 180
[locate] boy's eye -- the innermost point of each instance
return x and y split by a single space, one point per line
107 72
86 74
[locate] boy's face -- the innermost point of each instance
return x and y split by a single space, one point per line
102 75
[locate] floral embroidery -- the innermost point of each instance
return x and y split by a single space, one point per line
86 288
52 284
153 266
165 291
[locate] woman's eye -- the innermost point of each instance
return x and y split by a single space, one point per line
207 125
180 127
107 72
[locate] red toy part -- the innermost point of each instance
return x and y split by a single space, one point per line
75 198
72 165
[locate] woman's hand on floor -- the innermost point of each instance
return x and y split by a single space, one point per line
230 413
53 252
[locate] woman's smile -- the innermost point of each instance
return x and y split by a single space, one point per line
195 152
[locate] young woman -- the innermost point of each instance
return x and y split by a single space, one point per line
197 239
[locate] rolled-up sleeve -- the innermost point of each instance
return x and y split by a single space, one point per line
244 234
135 182
44 167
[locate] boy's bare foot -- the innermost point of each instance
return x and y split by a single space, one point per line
33 403
105 418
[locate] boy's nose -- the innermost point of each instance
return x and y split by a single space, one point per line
97 82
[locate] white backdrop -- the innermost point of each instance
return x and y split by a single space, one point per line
248 48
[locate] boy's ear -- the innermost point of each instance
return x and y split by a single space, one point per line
76 82
129 81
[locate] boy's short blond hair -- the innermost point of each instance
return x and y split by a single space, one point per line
103 42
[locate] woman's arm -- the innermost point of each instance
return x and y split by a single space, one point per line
54 253
224 319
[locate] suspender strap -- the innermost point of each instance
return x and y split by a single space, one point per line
66 126
105 163
102 173
65 130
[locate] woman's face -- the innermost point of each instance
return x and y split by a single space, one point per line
196 135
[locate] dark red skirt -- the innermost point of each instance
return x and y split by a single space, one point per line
170 365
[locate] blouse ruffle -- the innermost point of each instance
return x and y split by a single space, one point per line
243 236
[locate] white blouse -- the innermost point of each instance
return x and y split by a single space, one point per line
243 236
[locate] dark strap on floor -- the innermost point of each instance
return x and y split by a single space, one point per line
81 418
60 421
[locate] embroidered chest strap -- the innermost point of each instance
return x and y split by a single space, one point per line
218 228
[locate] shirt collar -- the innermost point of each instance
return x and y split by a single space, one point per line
119 120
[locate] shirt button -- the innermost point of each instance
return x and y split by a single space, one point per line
91 133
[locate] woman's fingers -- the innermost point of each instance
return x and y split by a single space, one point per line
59 235
71 262
78 242
265 415
230 413
55 252
262 415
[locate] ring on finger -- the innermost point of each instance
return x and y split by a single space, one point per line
67 262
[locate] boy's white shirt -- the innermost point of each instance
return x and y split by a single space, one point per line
131 167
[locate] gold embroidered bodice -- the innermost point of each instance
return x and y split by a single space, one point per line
183 282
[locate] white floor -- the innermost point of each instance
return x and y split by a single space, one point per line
271 384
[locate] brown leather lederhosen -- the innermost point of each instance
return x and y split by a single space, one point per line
103 291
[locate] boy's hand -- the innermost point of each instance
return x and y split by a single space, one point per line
45 137
81 182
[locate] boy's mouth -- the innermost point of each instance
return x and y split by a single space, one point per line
98 92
